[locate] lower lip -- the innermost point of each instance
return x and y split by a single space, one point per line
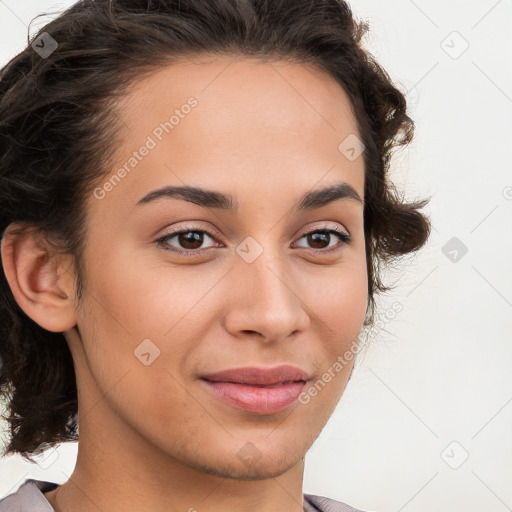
257 400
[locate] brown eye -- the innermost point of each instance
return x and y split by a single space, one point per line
186 240
190 239
318 239
321 239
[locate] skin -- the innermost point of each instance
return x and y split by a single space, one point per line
266 133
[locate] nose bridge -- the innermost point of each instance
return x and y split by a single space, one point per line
269 280
267 302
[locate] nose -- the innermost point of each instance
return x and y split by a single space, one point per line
265 299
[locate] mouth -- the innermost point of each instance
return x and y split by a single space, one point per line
257 390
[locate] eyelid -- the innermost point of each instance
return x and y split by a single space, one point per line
327 227
185 228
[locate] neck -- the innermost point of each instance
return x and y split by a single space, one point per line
117 469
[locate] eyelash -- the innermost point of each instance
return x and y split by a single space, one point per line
341 235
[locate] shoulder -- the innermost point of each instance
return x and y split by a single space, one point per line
313 503
29 497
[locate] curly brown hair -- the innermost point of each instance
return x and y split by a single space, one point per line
58 133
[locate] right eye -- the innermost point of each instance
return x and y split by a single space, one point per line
189 244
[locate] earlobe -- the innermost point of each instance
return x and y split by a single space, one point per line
39 279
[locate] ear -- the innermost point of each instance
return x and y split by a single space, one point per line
40 279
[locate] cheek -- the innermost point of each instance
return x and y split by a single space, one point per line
133 294
338 295
130 299
344 310
351 298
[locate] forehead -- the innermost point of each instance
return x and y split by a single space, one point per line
253 122
283 95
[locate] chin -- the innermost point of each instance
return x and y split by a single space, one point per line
248 463
259 471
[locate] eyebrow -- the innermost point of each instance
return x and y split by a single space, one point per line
218 200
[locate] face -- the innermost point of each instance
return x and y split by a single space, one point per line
258 276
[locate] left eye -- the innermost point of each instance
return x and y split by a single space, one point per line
319 236
190 240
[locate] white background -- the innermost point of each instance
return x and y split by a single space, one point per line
441 371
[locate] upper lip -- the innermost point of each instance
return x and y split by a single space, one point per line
259 376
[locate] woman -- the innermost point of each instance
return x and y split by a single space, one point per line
194 212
